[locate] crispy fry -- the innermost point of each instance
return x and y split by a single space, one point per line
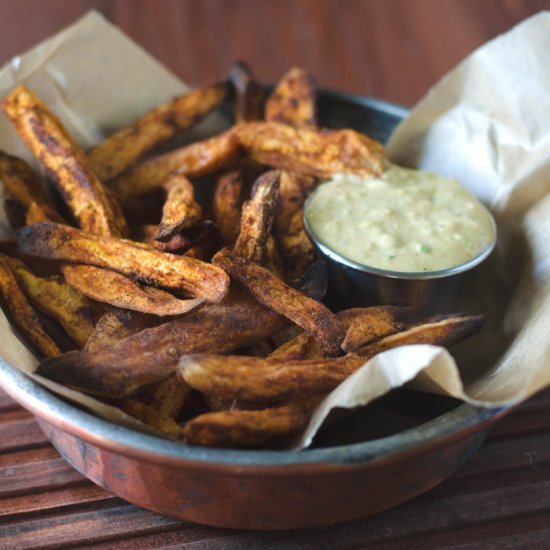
320 153
21 180
293 100
249 428
370 327
65 162
268 381
226 205
120 291
315 318
149 356
249 95
126 147
257 218
180 210
150 416
22 313
61 242
115 325
42 213
75 313
167 396
198 159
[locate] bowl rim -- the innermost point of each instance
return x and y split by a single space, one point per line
44 404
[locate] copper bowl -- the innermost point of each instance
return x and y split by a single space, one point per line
339 480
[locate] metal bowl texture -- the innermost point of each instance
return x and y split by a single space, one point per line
264 489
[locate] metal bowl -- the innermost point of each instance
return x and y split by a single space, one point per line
266 489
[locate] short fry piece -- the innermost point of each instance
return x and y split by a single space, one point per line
370 327
167 396
21 180
22 313
126 147
249 95
65 162
293 102
226 206
76 313
150 416
61 242
198 159
120 291
246 429
315 318
308 151
180 210
257 218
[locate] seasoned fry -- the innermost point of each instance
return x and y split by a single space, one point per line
22 313
149 355
315 318
21 180
226 205
245 429
180 210
167 396
126 147
120 291
292 102
61 242
115 325
249 95
75 313
308 151
370 327
257 218
42 213
198 159
150 416
65 162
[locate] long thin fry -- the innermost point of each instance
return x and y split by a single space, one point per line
180 210
65 162
117 290
138 260
257 218
22 313
315 318
126 147
198 159
293 100
320 153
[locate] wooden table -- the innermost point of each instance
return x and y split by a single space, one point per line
392 49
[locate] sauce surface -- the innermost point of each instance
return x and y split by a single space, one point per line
406 220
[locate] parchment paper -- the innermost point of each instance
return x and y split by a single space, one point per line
486 124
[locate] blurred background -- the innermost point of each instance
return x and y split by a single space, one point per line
392 49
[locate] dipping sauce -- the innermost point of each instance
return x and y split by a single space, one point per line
405 221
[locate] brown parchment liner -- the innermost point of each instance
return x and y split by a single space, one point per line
486 123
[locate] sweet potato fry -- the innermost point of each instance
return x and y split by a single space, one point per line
138 260
246 428
308 151
167 396
21 180
249 95
117 290
226 205
65 162
23 314
315 318
75 313
115 325
149 356
194 160
126 147
150 416
257 218
293 101
180 210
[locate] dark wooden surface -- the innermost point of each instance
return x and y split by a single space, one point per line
393 49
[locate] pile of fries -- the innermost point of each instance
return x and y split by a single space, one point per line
136 292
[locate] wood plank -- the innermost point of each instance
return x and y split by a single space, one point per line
21 434
6 402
